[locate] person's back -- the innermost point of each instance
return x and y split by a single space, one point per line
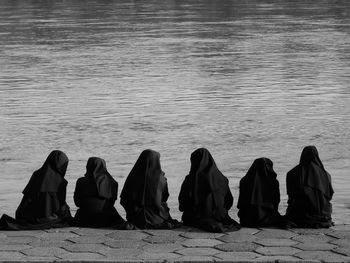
95 195
44 198
145 194
205 196
310 191
259 196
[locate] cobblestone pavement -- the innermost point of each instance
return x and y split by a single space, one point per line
179 245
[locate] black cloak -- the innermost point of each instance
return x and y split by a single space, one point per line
44 202
145 194
259 196
205 196
310 191
95 195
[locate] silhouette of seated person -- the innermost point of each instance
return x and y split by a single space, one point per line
44 202
205 196
145 194
310 191
259 196
95 195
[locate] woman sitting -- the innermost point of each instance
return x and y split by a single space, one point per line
95 195
145 194
310 191
259 196
44 202
205 196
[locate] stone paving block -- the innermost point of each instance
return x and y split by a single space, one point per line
22 233
200 242
276 242
40 259
163 239
120 252
275 233
201 235
194 259
90 239
128 234
162 248
279 259
13 247
237 247
340 234
17 240
83 247
158 256
341 227
248 230
342 250
125 243
311 231
324 256
49 243
237 237
276 251
312 238
299 260
11 255
57 236
163 232
314 246
44 251
341 242
92 231
61 229
194 251
237 256
81 256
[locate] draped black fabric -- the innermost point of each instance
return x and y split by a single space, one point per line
95 195
205 196
44 202
310 191
259 196
145 194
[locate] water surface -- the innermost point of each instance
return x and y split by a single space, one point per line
243 78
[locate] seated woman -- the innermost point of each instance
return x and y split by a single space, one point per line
95 195
259 196
145 194
205 196
44 201
310 191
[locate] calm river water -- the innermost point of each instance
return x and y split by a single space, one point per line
244 78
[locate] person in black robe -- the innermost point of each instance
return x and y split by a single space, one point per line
310 191
145 194
95 195
259 196
44 202
205 196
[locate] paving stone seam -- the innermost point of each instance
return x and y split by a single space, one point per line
339 253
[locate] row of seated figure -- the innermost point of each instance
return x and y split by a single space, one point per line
205 197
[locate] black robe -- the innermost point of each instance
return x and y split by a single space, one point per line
145 194
259 196
310 191
205 196
95 195
44 202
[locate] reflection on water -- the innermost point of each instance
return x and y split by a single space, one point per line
243 78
